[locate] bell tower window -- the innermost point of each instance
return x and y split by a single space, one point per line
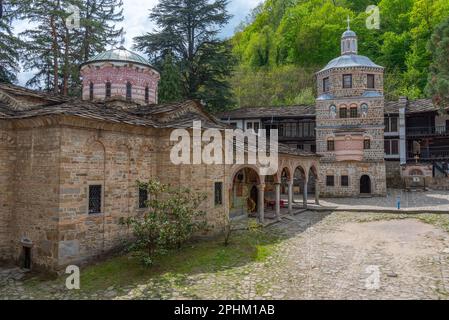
326 84
347 81
370 81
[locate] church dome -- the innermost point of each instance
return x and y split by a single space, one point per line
119 74
352 60
348 33
119 55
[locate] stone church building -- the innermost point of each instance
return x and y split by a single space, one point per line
68 167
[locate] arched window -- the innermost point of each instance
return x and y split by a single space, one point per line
343 112
91 91
129 88
147 94
108 89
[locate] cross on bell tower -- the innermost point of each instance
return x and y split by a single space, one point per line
349 41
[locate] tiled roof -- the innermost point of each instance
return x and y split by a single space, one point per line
416 106
261 112
350 60
420 105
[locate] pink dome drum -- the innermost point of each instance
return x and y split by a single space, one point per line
119 74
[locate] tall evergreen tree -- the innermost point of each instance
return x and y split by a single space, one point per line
438 82
170 86
189 29
9 43
55 50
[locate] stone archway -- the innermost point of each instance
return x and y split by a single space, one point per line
244 192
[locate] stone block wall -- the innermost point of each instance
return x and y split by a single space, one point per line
115 160
35 211
393 174
355 170
7 163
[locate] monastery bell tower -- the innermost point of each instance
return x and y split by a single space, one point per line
350 123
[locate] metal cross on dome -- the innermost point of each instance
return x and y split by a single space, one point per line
349 21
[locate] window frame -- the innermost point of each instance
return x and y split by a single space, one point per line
347 181
147 94
356 114
371 77
89 212
343 113
220 194
129 90
350 82
108 90
330 145
366 144
140 204
329 179
326 84
91 91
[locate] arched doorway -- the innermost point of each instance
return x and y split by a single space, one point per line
244 192
254 196
365 185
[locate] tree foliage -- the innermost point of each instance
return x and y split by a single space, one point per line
172 217
307 33
438 85
189 30
54 49
9 43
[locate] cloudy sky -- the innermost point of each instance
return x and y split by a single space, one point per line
136 21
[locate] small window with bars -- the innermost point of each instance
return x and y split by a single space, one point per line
95 199
218 191
343 113
344 181
143 197
354 112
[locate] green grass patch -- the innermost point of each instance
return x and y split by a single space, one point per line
205 256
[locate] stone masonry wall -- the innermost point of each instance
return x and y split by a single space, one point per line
114 160
355 170
35 210
7 163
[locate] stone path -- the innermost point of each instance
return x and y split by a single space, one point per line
323 256
422 201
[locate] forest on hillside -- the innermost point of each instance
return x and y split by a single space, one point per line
283 43
269 61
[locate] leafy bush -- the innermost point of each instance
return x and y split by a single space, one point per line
171 218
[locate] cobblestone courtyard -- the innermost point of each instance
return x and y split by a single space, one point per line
319 256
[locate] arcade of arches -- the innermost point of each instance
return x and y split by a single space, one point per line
263 197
